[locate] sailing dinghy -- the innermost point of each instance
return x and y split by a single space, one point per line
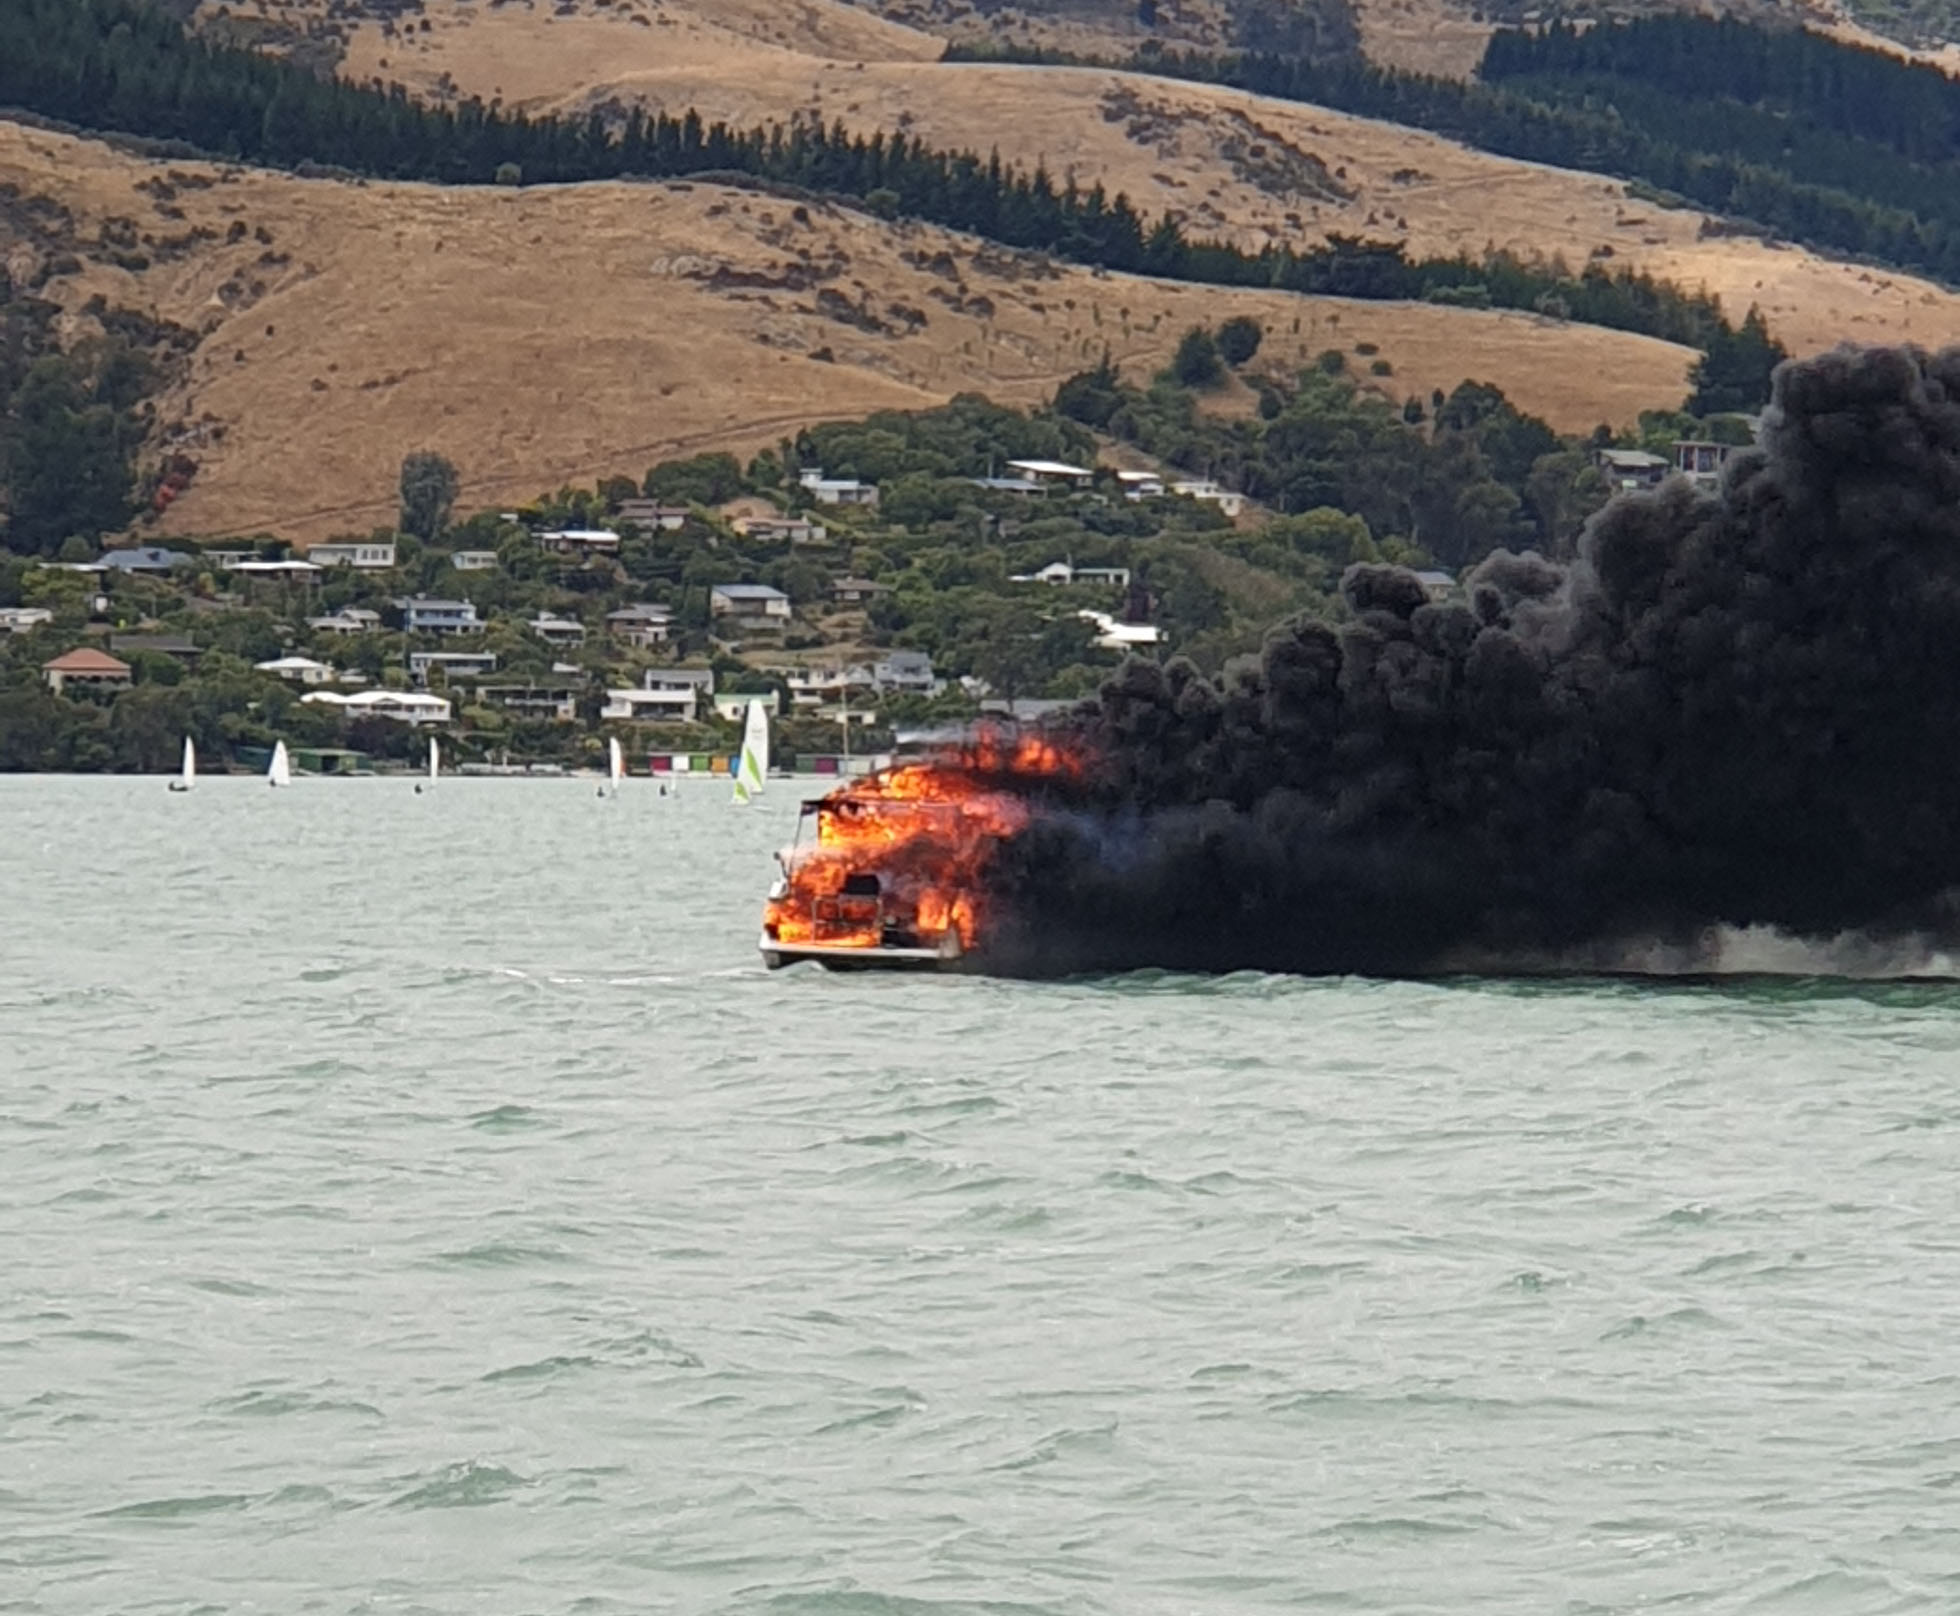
279 772
752 767
187 774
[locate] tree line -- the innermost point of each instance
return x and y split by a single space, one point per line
127 66
1840 147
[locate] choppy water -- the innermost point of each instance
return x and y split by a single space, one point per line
427 1204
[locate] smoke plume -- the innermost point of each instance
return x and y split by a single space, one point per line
1734 710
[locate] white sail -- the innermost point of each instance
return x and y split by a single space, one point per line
435 759
190 763
615 761
752 767
280 771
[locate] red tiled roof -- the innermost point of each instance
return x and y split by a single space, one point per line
85 660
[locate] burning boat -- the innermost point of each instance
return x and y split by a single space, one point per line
887 871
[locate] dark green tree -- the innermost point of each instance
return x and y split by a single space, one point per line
1196 363
1239 339
428 490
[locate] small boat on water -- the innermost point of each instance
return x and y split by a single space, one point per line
435 761
615 767
279 772
752 767
187 772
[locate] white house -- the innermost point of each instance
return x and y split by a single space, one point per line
812 687
288 571
1063 572
1114 636
735 704
404 706
838 490
299 669
1140 484
1227 500
652 706
372 555
20 619
749 603
348 620
556 630
424 615
452 664
474 560
580 540
1056 473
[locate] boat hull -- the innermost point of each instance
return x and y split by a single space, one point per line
945 956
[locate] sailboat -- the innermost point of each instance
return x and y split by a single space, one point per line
187 775
752 768
280 771
435 759
615 763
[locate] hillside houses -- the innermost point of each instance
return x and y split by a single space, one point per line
642 625
425 615
838 490
750 606
790 530
370 555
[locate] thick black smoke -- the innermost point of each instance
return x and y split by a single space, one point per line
1731 710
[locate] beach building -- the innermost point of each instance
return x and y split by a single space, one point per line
85 669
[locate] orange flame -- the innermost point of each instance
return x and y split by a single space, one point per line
899 855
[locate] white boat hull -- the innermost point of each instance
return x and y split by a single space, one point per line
945 955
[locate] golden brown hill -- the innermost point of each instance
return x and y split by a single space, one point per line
1246 167
548 334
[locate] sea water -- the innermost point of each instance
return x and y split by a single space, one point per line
428 1204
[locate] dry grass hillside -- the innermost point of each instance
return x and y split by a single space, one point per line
1246 167
547 334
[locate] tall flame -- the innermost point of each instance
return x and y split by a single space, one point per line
899 856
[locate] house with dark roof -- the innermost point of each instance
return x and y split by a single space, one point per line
754 605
